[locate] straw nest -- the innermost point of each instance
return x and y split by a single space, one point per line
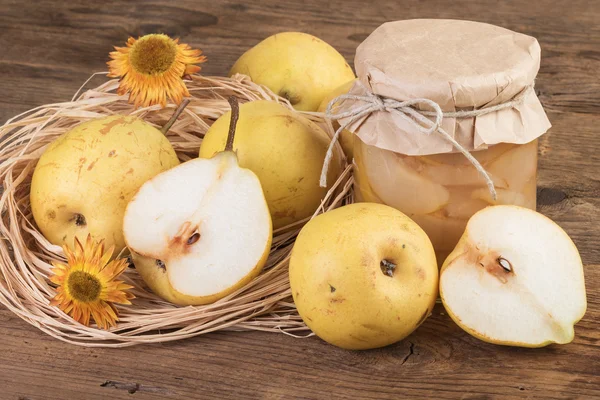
25 255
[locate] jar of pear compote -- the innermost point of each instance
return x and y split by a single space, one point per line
440 192
481 76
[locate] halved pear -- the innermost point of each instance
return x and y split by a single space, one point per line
515 278
206 225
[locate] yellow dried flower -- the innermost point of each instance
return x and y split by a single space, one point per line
87 286
152 68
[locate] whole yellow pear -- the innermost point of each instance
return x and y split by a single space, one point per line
346 138
363 276
297 66
85 178
285 150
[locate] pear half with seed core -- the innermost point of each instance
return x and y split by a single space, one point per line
201 230
515 278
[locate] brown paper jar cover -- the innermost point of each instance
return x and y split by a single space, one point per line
461 65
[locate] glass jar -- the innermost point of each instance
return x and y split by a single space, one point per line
428 90
440 192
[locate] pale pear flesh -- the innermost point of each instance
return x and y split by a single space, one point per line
515 278
207 221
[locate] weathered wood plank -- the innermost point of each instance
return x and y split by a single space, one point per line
50 49
439 358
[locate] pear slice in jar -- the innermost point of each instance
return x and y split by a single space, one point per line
505 197
363 191
444 232
397 184
515 278
484 156
516 167
453 169
463 204
459 175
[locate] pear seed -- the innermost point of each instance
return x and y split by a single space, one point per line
193 239
505 264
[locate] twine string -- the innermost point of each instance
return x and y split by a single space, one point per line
408 111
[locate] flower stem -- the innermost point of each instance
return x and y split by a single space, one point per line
175 115
235 114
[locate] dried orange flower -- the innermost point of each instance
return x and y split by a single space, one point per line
87 285
152 68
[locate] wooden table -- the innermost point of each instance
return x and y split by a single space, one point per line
50 47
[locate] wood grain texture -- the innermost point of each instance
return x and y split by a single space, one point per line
50 47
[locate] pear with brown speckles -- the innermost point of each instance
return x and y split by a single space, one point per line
201 230
515 278
363 276
85 178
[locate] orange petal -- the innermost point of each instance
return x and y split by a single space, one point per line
191 69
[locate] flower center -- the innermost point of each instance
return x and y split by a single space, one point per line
153 54
84 287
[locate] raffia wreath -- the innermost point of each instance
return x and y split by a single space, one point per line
25 255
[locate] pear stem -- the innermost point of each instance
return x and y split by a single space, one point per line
235 114
175 115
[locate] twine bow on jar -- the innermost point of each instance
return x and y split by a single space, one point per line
408 111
